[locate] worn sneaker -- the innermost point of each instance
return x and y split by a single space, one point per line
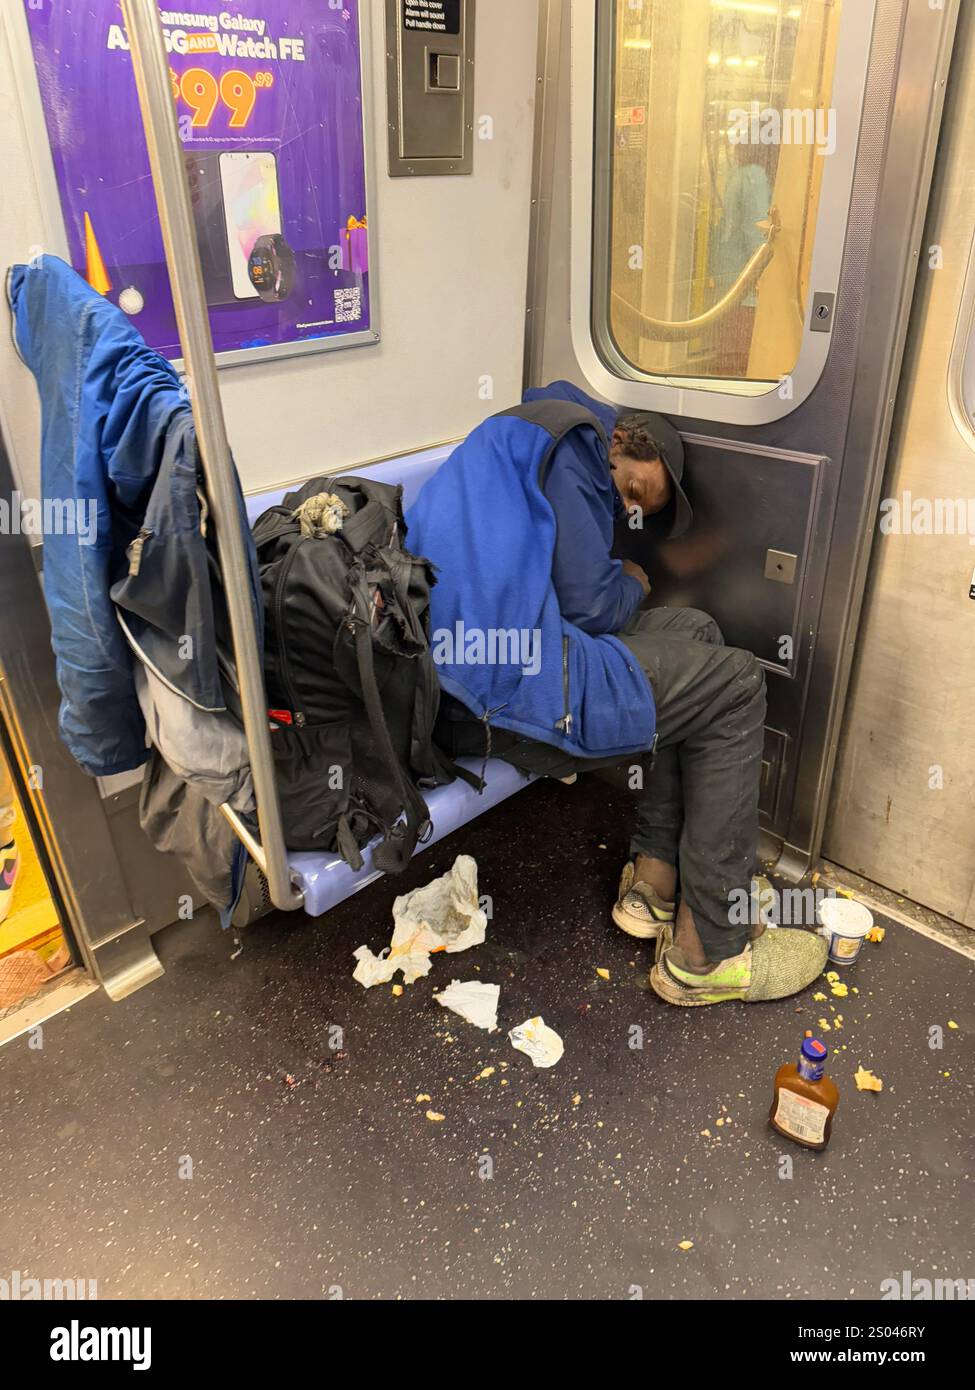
779 963
639 911
9 869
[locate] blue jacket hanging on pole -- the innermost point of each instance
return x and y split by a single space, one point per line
138 624
503 646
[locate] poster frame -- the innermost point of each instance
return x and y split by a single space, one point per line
55 238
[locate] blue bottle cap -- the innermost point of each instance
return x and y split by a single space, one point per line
814 1050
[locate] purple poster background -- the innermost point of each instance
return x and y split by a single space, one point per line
281 160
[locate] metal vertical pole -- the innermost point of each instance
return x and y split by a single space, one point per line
151 68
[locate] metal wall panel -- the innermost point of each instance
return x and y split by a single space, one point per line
903 805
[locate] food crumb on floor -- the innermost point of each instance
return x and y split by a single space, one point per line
866 1081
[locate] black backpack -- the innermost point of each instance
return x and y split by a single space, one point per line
352 687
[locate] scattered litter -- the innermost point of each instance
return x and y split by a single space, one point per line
442 916
705 1134
824 1024
866 1081
876 934
539 1042
422 1097
473 1001
686 1245
577 1100
952 1024
840 991
832 976
819 997
483 1075
719 1121
434 1118
397 990
603 974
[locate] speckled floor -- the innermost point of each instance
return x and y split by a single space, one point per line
315 1170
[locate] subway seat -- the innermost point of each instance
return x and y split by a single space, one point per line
326 879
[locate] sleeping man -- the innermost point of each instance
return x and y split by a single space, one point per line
520 524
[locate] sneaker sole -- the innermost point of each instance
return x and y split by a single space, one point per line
673 992
635 927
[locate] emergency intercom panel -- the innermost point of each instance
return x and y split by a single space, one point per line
430 86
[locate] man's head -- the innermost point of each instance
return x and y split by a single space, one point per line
639 472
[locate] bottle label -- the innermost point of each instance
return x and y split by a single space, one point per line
809 1070
801 1117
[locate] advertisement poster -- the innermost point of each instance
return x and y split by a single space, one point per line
268 97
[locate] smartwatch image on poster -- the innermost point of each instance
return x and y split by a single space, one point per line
271 268
252 210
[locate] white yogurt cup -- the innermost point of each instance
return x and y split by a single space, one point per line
845 923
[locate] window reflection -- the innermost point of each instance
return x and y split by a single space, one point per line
722 127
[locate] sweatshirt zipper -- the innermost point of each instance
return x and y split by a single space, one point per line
286 678
135 552
565 724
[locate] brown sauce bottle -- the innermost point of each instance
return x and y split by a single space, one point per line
805 1099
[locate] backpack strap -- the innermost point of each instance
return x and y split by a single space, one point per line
558 419
396 850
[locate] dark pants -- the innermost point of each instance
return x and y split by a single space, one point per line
699 806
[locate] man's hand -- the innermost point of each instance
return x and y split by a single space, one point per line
632 568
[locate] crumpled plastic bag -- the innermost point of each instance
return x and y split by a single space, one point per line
539 1042
442 916
474 1001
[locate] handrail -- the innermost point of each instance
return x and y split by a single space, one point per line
151 68
681 331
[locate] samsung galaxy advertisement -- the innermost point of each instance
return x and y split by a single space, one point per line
268 100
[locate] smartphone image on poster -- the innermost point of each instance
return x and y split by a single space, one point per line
206 198
251 208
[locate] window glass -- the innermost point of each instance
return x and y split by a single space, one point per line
721 128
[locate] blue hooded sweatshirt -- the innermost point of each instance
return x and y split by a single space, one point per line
502 643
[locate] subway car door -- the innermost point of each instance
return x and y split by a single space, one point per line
729 207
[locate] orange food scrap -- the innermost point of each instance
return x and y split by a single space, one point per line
866 1081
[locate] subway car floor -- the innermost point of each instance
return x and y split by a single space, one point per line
212 1136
